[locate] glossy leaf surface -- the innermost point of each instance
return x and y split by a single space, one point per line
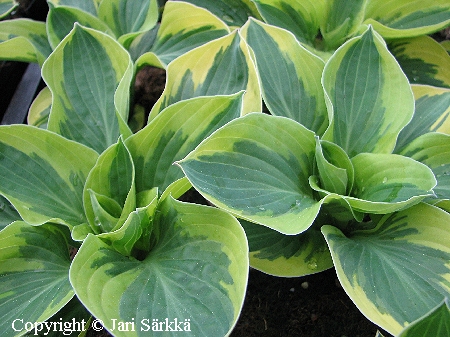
34 265
196 73
233 12
369 98
183 27
286 255
90 94
435 323
43 174
24 40
6 7
433 149
423 60
261 175
175 132
399 270
432 114
196 273
290 75
302 18
406 18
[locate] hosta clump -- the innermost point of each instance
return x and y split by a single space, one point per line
324 184
87 188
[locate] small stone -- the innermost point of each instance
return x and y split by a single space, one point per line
305 285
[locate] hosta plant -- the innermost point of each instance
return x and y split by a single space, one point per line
96 228
323 26
182 27
351 172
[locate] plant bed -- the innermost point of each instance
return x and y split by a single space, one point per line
153 202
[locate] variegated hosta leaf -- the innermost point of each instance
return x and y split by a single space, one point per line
183 27
89 6
286 255
368 96
60 21
343 20
89 75
197 73
175 132
42 174
24 40
432 114
109 192
423 60
233 12
6 7
134 235
73 311
399 270
129 18
34 265
334 167
196 274
290 75
39 111
302 18
433 149
257 167
8 214
446 45
407 18
435 323
385 183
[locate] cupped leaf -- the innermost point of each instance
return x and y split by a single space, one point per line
183 27
129 18
302 18
286 255
407 18
39 111
109 192
195 274
8 213
90 93
399 270
196 73
343 20
6 7
61 19
385 183
43 174
334 167
34 265
257 167
433 149
435 323
135 233
24 40
432 114
175 132
290 75
423 60
233 12
368 96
